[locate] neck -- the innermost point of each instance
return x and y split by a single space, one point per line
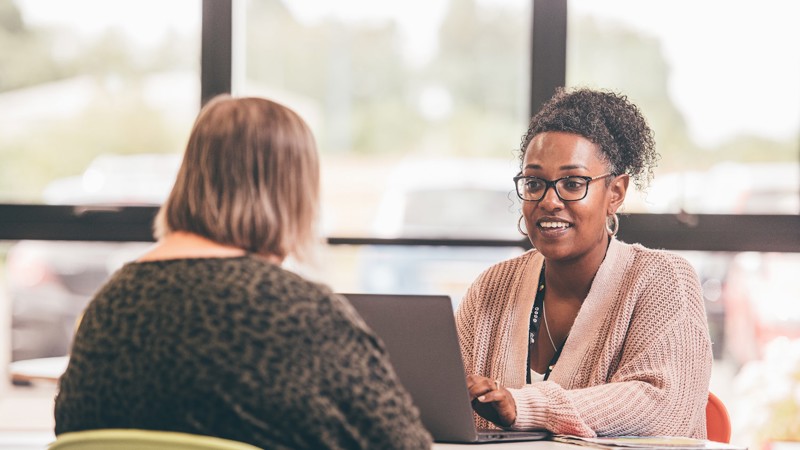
182 244
573 279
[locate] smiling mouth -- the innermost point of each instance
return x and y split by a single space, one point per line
554 225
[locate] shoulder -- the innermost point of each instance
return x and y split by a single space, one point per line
660 263
123 287
501 279
303 297
664 280
273 281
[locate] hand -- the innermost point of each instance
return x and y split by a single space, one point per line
491 401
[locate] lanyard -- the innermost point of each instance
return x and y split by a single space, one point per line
535 326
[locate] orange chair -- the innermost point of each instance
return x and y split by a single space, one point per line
718 423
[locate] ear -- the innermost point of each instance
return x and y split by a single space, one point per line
616 192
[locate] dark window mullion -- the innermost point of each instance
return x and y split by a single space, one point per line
548 50
217 49
704 232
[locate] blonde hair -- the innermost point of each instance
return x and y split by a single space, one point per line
249 179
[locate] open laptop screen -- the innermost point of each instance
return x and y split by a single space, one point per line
420 336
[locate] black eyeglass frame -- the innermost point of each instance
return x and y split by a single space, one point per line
553 183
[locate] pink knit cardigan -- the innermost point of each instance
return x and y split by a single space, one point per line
637 360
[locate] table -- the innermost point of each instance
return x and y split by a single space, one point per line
530 445
40 369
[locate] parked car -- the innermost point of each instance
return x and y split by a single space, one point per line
728 188
50 282
447 199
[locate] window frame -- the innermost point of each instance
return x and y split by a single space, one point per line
681 231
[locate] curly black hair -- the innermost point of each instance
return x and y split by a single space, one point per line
606 118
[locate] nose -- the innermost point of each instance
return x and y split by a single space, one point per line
551 201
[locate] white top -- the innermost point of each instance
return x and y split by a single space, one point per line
536 376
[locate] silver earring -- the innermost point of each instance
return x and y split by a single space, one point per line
519 226
613 226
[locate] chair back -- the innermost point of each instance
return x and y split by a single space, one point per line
134 439
718 423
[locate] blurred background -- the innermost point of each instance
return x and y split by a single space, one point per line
418 108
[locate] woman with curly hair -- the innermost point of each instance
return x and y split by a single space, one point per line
584 334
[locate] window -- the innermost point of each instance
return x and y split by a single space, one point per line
723 104
722 98
418 109
393 84
408 121
83 81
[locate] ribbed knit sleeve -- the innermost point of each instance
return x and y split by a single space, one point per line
637 360
492 321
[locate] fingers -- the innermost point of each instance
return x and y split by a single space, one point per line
503 405
487 383
491 400
491 396
479 387
473 380
494 395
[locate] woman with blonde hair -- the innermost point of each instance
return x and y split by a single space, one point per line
207 334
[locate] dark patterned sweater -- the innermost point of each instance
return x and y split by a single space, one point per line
236 348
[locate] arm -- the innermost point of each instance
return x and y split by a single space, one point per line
491 321
489 400
465 323
492 317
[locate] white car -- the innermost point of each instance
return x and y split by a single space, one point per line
50 282
442 199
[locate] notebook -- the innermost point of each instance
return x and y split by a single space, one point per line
419 333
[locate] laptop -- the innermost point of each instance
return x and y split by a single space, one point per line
419 332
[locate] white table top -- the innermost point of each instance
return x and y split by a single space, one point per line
530 445
39 441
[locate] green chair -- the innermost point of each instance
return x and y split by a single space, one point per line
134 439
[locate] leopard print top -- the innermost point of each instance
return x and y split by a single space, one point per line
236 348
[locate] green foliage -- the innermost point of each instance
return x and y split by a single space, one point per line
485 59
117 118
357 80
369 94
10 17
603 54
25 56
62 148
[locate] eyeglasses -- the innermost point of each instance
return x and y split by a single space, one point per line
568 189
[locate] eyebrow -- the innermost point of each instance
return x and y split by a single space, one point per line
567 167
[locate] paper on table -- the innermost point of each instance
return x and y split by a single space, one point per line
649 442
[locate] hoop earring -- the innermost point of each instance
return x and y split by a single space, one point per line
614 228
519 226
